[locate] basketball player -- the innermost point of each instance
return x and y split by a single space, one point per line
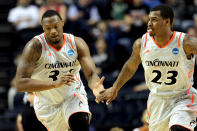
49 68
168 60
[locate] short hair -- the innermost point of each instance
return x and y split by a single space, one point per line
165 12
50 13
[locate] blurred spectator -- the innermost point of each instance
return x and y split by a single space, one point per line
54 5
192 31
195 20
118 11
82 16
104 58
103 30
135 26
68 2
104 8
25 18
24 15
190 9
84 10
178 6
136 18
39 2
187 9
105 61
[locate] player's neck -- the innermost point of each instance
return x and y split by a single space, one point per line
163 38
57 45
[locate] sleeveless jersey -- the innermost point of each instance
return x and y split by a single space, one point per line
53 64
167 70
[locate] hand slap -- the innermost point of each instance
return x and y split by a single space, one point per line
108 94
98 88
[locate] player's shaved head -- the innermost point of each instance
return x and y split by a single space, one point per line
50 13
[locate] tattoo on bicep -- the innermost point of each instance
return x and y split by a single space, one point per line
35 52
31 54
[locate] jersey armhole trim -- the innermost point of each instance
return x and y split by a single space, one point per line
71 42
145 40
192 70
179 44
43 42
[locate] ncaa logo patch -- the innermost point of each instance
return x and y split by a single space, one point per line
175 51
70 52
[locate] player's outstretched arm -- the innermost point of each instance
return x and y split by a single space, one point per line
88 67
190 45
126 73
30 56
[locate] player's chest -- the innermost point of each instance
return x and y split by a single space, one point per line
164 54
63 55
55 60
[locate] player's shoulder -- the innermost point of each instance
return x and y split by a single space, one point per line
33 47
189 40
138 42
189 44
79 41
34 44
78 38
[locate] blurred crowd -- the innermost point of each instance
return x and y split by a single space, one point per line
109 27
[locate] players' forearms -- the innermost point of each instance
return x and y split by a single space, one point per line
93 78
32 85
126 73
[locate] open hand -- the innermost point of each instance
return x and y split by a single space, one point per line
98 88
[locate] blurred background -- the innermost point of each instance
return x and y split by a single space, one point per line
109 27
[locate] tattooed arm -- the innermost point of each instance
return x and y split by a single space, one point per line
26 66
126 73
190 45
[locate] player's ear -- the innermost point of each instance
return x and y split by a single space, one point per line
62 22
41 23
167 21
